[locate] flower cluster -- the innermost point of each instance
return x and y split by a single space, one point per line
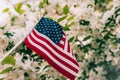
92 27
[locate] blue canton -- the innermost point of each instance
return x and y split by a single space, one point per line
50 28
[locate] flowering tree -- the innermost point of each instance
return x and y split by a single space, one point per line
92 28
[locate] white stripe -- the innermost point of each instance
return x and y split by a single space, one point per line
63 36
66 46
54 52
62 42
59 48
51 57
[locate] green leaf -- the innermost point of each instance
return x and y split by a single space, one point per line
89 5
71 39
118 40
57 6
70 18
84 22
69 25
10 45
86 38
66 28
95 2
43 76
13 18
8 69
91 65
9 34
46 1
41 4
28 5
18 9
9 60
2 27
46 67
117 10
66 9
26 74
61 18
5 10
84 73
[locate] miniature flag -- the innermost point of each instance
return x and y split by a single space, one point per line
48 40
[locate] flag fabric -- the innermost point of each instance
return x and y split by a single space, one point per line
48 40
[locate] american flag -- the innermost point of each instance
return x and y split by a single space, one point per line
48 40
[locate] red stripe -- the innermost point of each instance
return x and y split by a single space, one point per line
61 53
62 45
73 53
32 47
57 58
68 48
63 38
